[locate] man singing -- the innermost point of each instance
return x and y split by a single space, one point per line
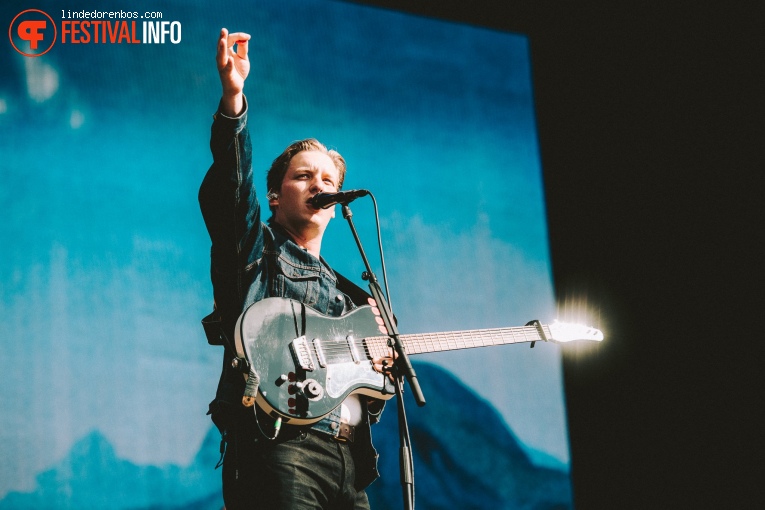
328 464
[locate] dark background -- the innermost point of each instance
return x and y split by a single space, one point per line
648 120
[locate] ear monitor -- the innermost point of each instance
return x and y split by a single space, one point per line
272 195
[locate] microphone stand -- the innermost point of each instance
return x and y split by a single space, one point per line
402 368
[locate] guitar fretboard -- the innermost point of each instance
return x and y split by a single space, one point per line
452 340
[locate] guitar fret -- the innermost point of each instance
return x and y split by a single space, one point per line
440 339
447 341
377 346
419 343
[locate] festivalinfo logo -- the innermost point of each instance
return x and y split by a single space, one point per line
34 32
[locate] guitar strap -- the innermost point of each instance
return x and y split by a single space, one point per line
358 295
299 330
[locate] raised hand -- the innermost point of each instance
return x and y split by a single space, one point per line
233 67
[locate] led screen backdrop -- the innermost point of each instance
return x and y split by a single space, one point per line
105 371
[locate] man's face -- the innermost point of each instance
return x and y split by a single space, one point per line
310 172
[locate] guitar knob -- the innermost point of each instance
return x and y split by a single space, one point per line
311 389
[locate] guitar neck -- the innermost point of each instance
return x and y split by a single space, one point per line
453 340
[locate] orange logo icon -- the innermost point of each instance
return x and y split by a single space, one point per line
32 33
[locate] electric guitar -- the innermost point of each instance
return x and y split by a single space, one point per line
306 363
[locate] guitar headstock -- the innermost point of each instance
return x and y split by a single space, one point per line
569 332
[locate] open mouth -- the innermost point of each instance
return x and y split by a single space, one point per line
309 202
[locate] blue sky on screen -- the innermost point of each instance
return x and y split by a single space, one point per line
105 269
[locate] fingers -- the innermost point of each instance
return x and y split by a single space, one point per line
241 40
237 37
226 43
389 358
221 57
241 47
378 316
383 365
380 364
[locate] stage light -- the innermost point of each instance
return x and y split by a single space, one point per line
579 311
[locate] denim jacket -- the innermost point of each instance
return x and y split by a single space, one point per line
252 260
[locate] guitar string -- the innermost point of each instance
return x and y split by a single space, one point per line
477 338
434 342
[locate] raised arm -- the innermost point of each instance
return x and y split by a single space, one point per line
227 196
233 67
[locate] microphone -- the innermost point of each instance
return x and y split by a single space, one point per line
325 200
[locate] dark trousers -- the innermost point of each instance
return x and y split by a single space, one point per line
305 470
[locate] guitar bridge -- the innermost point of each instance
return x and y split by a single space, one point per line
302 354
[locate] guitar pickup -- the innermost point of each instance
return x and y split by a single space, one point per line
354 351
320 353
301 352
